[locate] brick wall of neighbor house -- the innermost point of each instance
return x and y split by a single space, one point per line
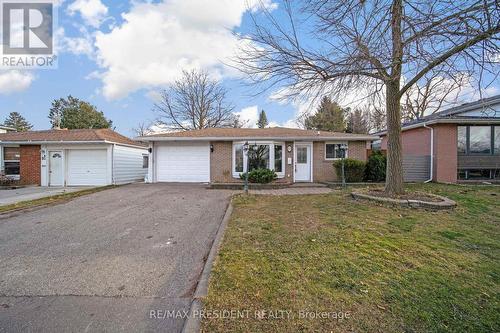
445 153
221 161
414 142
323 170
29 163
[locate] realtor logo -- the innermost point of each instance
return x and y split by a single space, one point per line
27 33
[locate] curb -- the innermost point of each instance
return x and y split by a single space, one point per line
192 324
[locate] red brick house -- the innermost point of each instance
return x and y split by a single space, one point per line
458 144
85 157
215 155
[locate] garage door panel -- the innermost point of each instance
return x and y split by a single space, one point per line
87 167
183 163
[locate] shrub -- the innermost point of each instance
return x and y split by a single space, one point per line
354 170
262 176
375 167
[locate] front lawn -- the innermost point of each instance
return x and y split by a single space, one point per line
387 269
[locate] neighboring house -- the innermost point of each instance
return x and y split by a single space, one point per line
5 129
458 144
215 155
83 157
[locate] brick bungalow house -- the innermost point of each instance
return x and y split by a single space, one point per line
86 157
215 155
458 144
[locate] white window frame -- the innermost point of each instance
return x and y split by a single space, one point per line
337 143
271 145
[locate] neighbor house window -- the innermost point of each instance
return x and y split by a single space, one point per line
145 161
496 143
261 155
334 151
480 139
462 140
11 157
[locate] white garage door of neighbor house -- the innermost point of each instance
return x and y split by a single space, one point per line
87 167
183 162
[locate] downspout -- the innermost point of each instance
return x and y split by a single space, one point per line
432 154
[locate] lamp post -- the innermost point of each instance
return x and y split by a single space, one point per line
343 149
246 147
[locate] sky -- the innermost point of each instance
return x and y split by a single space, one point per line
118 54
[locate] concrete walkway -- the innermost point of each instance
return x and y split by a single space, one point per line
8 197
293 191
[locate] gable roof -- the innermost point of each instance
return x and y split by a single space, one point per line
273 133
64 135
459 114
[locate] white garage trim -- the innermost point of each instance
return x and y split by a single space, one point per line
186 162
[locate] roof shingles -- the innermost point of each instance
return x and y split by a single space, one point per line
274 132
65 135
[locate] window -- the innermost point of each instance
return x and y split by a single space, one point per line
145 161
258 157
278 158
261 155
462 139
302 155
480 139
334 151
478 174
496 143
11 157
238 159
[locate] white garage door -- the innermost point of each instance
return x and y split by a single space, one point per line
183 162
87 167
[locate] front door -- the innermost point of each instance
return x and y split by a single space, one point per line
303 162
55 168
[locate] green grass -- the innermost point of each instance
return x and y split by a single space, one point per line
393 270
55 199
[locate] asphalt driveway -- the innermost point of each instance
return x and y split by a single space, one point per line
105 261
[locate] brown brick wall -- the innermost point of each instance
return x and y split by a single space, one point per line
323 170
30 173
445 153
221 161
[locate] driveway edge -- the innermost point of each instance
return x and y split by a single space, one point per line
192 323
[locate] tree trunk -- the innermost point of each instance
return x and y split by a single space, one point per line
394 181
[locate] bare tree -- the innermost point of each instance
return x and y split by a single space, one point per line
342 46
195 101
143 129
424 99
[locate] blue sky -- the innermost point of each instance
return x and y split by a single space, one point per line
118 54
98 46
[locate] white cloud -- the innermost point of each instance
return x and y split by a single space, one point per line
93 12
157 41
249 116
12 81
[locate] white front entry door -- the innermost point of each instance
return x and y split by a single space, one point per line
303 162
56 168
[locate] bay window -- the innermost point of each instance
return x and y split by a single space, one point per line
261 155
480 139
